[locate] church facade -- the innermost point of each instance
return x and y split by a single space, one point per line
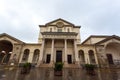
60 41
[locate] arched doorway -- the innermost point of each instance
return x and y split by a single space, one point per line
91 57
81 57
112 51
25 55
6 48
36 56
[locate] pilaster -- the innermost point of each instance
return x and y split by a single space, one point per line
30 57
88 58
41 53
75 52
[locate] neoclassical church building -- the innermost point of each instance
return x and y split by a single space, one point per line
60 41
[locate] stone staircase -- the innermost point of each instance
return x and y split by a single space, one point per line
114 66
46 65
43 65
71 66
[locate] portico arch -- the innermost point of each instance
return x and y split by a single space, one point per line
36 56
91 57
6 48
81 56
112 52
25 55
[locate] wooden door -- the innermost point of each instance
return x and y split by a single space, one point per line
69 59
58 56
110 58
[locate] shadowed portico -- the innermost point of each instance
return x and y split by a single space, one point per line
6 48
112 51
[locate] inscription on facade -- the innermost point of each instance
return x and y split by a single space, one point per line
60 36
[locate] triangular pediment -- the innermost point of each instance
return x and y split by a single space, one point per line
112 38
7 37
57 21
94 39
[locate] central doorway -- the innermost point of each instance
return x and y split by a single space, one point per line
59 56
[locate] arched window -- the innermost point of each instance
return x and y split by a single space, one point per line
25 55
91 56
36 55
81 56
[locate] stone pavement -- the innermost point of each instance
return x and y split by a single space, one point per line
12 73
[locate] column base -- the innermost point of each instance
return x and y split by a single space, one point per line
65 62
38 64
76 62
52 63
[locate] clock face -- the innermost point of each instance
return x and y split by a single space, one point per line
59 24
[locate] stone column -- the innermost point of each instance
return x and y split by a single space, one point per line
97 56
21 56
88 58
41 53
75 52
96 60
65 55
11 56
52 51
30 57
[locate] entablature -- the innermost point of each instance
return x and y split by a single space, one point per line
59 35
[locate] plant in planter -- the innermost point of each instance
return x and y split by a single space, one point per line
26 68
58 69
90 68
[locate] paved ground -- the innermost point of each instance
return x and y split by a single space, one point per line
48 74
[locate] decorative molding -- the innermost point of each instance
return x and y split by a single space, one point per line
60 24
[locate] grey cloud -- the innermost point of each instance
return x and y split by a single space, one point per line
21 18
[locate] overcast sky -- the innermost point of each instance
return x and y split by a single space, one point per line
20 18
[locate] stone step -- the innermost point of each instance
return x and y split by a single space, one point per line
71 66
114 66
46 65
65 65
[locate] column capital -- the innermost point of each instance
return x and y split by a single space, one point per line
75 39
53 39
66 39
43 38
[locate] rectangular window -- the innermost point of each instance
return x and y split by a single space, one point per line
50 29
59 30
68 30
